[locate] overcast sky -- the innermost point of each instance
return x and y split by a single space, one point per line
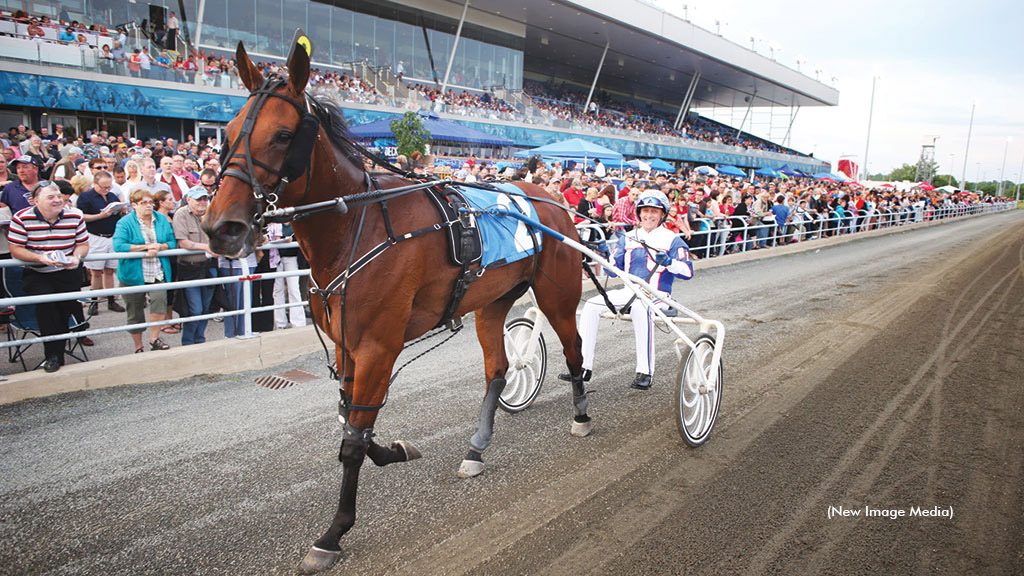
932 59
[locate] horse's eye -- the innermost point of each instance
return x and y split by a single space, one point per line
283 137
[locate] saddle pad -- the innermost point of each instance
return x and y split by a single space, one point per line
505 239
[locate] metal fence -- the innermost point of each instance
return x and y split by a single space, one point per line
713 239
246 309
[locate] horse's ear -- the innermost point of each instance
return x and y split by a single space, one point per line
298 62
251 77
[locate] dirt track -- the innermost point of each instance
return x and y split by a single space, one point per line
885 374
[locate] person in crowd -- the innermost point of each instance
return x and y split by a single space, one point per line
6 176
781 213
624 211
102 210
146 63
66 168
587 206
286 290
52 237
172 32
118 57
761 217
145 230
92 150
135 64
176 184
16 194
35 31
67 36
166 205
649 251
148 180
190 236
131 173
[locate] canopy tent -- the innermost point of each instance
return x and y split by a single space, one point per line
706 170
887 185
791 172
661 166
766 172
441 130
840 177
925 186
825 176
639 165
947 188
574 149
730 170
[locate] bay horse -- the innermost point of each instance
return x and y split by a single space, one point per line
289 149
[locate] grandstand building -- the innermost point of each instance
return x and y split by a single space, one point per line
621 73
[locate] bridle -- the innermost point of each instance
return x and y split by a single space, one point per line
298 160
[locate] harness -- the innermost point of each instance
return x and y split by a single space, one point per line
297 163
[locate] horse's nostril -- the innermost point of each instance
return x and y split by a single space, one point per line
232 229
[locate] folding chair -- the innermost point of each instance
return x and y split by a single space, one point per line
22 322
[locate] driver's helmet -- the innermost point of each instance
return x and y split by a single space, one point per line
655 199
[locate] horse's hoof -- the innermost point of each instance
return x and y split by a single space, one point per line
470 468
581 429
318 560
411 453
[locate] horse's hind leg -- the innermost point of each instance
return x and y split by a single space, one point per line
559 307
490 323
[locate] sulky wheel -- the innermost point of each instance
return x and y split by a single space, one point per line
696 404
523 379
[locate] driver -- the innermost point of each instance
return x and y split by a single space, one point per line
649 251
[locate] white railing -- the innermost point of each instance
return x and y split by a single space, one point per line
247 278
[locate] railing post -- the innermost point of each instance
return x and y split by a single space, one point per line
246 300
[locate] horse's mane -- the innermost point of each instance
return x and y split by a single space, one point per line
333 122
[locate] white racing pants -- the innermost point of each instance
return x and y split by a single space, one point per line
643 328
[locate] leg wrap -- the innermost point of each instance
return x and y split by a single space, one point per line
485 426
580 402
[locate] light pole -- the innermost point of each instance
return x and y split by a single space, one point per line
1020 176
867 143
1002 171
963 177
951 163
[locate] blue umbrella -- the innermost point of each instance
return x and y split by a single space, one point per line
766 172
661 166
574 149
706 170
791 172
729 170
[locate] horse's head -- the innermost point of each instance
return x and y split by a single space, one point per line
267 154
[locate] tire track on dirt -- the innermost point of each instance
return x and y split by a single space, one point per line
812 503
483 546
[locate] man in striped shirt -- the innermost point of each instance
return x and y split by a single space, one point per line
52 236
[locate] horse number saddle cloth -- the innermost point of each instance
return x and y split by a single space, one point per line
486 239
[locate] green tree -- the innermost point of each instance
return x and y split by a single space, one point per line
410 134
944 180
905 172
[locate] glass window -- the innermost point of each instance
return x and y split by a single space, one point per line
319 29
363 38
243 22
215 20
384 43
269 36
295 17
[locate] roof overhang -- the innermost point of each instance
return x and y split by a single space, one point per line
651 54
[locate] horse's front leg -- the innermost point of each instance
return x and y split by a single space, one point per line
366 391
490 322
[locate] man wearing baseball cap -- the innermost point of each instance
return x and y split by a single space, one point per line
16 194
191 236
65 169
